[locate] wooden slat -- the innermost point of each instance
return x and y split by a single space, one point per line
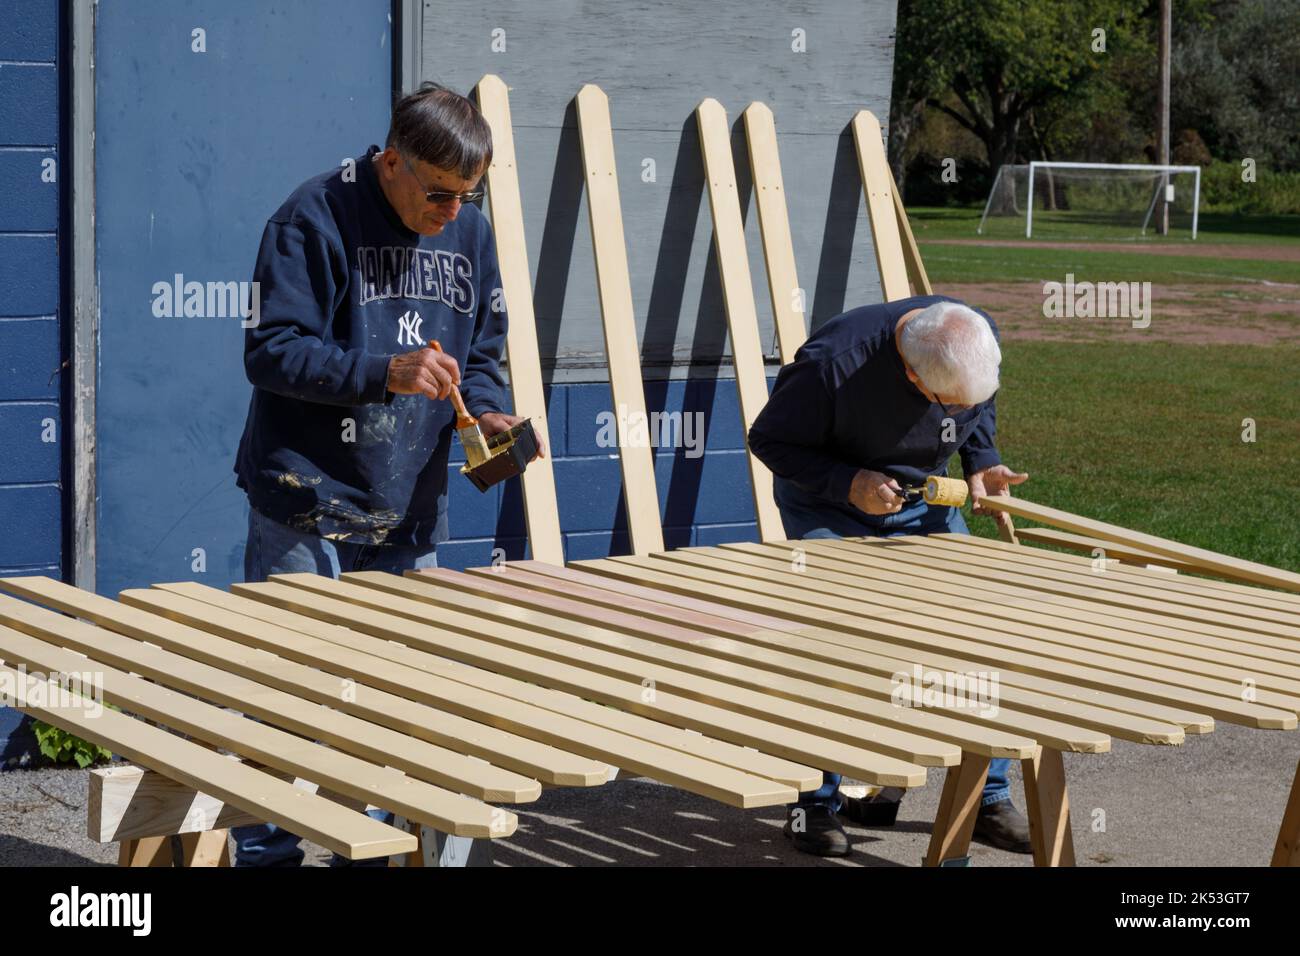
524 363
1245 595
626 695
737 298
1219 699
789 305
214 656
350 776
938 581
937 613
1124 717
352 835
1077 542
615 286
911 254
877 183
1212 561
286 627
506 704
783 675
1116 595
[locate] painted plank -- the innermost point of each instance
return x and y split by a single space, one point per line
605 212
336 828
916 274
737 297
523 360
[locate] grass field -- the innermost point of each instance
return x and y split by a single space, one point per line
1142 431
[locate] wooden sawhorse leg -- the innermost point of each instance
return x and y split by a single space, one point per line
1287 851
203 848
1048 808
958 805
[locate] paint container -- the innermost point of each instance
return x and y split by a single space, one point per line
509 453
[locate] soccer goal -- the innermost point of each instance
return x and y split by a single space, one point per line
1092 200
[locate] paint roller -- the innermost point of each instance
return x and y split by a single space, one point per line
939 491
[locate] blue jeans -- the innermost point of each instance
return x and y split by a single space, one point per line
803 519
274 548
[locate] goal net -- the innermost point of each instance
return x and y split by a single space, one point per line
1048 200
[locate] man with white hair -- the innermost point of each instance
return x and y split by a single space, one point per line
877 400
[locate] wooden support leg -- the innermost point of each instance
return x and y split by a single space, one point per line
1287 852
1048 808
146 851
205 848
958 805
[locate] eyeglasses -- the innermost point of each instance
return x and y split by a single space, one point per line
440 198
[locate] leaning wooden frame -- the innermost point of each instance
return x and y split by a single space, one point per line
737 673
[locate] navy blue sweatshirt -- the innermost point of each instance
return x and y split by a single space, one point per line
344 286
845 403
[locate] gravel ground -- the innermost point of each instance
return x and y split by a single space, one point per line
1217 800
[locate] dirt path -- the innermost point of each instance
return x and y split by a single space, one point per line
1199 314
1221 250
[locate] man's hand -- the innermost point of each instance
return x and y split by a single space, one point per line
493 423
426 372
874 493
995 480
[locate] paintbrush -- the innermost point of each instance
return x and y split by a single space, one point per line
471 436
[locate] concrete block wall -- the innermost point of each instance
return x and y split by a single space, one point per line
31 430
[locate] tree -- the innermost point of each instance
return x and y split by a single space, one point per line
1002 59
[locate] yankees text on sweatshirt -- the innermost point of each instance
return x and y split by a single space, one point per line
343 286
845 403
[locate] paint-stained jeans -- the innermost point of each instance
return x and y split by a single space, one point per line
274 548
803 519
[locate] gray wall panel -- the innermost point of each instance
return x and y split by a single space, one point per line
656 61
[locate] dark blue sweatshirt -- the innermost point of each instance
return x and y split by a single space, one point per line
845 403
344 286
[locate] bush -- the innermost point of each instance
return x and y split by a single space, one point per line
1273 194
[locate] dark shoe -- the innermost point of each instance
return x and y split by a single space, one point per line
816 830
1003 826
880 810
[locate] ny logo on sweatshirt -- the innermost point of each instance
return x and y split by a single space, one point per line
408 272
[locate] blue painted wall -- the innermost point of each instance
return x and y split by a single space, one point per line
31 528
195 150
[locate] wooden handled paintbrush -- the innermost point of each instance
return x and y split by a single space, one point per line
471 436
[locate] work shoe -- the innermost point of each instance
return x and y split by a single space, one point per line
816 830
880 810
1003 826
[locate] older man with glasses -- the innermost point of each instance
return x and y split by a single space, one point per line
877 400
344 455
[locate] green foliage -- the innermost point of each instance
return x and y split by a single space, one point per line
62 746
1273 193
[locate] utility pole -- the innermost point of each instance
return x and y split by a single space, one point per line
1162 119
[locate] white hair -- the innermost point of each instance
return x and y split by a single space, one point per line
952 350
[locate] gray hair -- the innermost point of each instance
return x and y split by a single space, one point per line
951 348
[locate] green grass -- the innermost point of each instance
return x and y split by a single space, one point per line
1149 437
995 263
